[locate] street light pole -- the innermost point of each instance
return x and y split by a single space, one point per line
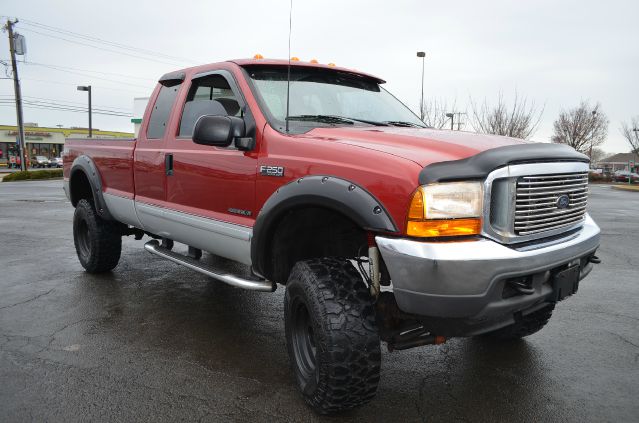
421 101
88 89
452 120
636 131
594 113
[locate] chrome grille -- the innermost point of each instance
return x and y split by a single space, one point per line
537 203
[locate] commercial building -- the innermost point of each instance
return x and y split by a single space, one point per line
139 106
621 161
45 141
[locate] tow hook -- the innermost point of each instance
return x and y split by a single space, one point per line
414 337
594 259
416 341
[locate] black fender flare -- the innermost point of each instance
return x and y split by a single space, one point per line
86 165
329 192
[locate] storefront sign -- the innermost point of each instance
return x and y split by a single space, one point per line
30 133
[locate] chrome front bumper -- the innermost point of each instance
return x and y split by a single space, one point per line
466 279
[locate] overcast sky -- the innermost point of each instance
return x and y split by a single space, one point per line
556 53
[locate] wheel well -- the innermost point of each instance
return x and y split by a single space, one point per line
311 232
80 187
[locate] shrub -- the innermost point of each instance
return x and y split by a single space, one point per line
33 174
595 177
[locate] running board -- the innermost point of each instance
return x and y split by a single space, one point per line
236 281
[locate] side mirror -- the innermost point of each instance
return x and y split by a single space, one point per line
218 131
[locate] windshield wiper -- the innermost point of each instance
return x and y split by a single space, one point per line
321 118
335 119
403 123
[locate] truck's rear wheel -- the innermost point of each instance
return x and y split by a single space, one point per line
331 334
98 242
526 325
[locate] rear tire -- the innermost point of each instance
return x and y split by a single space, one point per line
98 242
529 324
331 335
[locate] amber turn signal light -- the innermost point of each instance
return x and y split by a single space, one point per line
443 227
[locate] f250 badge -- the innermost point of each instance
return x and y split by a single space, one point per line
271 170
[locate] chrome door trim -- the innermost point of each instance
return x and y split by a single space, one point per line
223 239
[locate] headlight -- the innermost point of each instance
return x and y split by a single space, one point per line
446 209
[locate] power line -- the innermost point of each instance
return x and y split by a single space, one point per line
67 108
61 108
97 47
48 81
103 41
71 106
60 69
115 108
68 105
88 70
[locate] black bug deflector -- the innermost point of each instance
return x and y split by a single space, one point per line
480 165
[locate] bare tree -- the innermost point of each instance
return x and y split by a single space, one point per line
434 112
597 155
519 119
630 131
582 128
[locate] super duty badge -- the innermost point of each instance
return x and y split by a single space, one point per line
271 170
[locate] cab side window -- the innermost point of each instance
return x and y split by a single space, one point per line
209 95
162 110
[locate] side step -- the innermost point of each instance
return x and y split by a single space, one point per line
239 282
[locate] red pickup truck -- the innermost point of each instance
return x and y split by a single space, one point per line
379 227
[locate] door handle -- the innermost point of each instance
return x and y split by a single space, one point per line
168 164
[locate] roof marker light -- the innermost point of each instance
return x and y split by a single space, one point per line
314 61
295 59
331 64
258 56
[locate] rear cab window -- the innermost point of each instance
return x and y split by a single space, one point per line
162 108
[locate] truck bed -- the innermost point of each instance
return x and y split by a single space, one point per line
114 159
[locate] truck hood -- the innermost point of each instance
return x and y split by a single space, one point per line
420 145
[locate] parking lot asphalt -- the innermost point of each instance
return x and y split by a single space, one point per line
153 341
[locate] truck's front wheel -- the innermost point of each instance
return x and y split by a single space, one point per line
98 242
331 334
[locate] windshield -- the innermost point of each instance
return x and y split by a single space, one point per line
321 97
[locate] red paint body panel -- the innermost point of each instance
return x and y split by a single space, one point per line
207 181
392 180
114 159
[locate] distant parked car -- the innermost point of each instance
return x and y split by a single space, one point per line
623 175
40 161
56 162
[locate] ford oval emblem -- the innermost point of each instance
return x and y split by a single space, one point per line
563 202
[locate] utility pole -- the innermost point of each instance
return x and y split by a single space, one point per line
18 95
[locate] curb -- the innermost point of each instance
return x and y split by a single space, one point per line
626 188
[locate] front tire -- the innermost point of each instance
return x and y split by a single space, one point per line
331 335
98 242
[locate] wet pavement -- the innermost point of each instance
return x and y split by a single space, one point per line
153 341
